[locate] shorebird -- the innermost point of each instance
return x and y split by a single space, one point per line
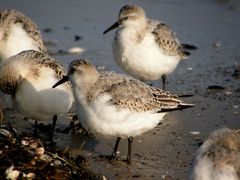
117 106
144 48
18 33
28 78
219 157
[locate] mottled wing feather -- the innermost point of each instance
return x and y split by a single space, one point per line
45 60
53 64
167 99
9 87
8 17
167 40
104 83
138 97
32 61
225 148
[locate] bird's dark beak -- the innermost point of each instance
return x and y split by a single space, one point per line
61 81
115 25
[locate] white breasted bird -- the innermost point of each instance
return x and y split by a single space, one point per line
116 106
144 48
218 158
18 33
28 78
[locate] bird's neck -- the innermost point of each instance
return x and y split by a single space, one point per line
133 33
83 85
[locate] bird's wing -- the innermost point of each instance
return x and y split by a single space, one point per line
12 16
167 40
136 96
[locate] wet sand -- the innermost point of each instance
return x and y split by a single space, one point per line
167 151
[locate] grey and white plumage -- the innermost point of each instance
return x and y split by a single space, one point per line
18 33
146 49
28 78
219 157
113 105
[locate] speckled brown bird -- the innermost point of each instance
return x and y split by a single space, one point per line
116 106
28 78
219 157
18 33
144 48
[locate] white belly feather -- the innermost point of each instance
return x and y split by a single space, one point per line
18 41
144 60
39 100
208 170
104 119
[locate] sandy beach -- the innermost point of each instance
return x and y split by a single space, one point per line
211 74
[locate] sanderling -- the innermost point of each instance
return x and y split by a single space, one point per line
18 33
114 105
28 78
146 49
219 157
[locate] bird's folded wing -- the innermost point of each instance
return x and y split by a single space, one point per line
136 96
167 40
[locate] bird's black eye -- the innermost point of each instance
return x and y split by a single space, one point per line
123 19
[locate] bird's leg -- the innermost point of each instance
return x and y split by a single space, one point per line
130 140
164 77
54 120
114 153
35 132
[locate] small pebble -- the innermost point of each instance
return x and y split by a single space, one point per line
199 115
45 157
235 106
228 93
194 132
34 145
47 30
77 38
216 45
215 87
24 142
30 176
12 174
40 151
163 176
56 163
101 68
76 50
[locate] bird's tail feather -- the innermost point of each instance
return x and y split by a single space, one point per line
181 106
